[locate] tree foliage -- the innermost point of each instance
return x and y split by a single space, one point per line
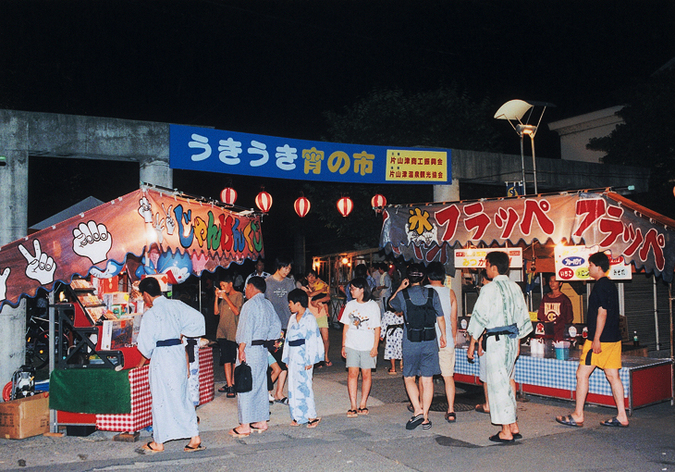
444 117
647 138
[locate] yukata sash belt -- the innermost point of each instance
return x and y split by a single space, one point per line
168 342
391 329
511 331
268 343
296 342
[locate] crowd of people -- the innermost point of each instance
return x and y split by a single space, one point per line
279 328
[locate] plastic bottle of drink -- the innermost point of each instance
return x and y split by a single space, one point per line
636 341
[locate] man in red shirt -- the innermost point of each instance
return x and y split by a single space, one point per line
556 308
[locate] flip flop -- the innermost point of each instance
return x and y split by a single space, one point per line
450 417
392 371
363 411
414 422
614 423
569 421
411 409
313 423
283 401
223 389
147 448
497 439
329 364
480 409
197 448
294 423
352 414
255 429
517 436
426 426
234 433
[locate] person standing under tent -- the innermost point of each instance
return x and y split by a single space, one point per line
258 272
602 348
165 322
500 315
556 308
303 348
258 328
446 355
227 306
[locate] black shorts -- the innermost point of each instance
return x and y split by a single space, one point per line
276 353
228 351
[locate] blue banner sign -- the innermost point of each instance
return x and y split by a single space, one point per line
230 152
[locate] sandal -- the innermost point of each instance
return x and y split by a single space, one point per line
363 411
255 429
283 401
233 432
223 389
498 439
426 426
569 421
450 417
414 422
614 422
352 414
294 423
329 364
196 448
313 423
392 371
147 448
481 409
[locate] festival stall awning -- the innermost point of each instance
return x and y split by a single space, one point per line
174 235
600 219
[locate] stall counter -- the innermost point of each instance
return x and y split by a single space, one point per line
645 380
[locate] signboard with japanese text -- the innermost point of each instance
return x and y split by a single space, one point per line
475 258
571 263
231 152
152 233
605 220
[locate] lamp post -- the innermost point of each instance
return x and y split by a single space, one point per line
513 111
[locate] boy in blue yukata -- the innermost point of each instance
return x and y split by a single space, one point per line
303 348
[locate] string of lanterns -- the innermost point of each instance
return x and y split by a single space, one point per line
302 205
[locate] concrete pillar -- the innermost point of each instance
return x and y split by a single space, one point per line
450 193
156 172
13 225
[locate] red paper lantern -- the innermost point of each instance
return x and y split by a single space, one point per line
378 201
263 201
228 196
302 207
345 206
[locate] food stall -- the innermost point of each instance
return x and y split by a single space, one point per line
637 239
93 260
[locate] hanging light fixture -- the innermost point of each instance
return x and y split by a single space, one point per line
263 201
302 206
345 206
378 202
228 196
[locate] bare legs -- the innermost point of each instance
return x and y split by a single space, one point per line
353 383
229 376
326 344
450 392
425 391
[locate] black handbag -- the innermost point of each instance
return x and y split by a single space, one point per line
243 381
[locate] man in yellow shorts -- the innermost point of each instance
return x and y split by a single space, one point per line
603 346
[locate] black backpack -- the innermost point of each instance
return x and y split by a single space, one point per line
420 320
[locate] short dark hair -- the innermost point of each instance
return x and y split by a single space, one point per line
312 272
415 273
283 261
150 286
500 260
601 260
226 277
361 282
259 283
436 271
298 296
360 271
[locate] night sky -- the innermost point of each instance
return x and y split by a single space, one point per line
273 67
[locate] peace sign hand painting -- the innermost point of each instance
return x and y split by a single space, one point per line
41 267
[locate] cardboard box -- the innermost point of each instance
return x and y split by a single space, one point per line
25 417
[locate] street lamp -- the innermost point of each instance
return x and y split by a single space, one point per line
513 111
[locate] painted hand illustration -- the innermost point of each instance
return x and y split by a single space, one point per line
112 268
3 283
145 209
41 267
159 226
170 221
92 241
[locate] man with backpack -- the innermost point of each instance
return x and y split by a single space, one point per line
421 310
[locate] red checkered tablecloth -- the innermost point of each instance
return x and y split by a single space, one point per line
141 400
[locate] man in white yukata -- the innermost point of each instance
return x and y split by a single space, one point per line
500 315
163 326
259 327
303 348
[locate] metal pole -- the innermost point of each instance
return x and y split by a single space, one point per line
53 426
534 165
656 314
522 162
